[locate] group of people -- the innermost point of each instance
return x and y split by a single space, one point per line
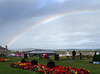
73 54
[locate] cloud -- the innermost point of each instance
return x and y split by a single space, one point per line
60 34
59 1
76 30
81 30
20 9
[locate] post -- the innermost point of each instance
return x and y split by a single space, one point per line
80 55
56 56
25 56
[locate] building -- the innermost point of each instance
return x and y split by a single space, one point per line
3 51
41 53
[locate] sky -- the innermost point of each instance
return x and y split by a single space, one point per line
50 24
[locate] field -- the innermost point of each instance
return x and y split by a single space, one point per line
84 63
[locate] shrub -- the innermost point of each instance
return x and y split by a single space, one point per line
51 64
23 61
34 62
96 57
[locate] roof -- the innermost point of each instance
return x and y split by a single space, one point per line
42 52
2 48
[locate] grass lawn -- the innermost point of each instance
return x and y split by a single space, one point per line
84 63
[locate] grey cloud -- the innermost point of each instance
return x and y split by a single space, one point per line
20 9
76 30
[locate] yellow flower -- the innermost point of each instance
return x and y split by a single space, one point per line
88 71
75 72
19 62
40 69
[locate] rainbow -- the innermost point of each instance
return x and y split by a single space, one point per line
49 20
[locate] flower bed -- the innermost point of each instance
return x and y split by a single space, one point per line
44 69
4 60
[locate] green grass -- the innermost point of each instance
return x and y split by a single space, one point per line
84 63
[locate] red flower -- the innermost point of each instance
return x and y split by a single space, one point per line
69 68
81 68
50 69
68 72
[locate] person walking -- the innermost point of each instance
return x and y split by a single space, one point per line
73 54
67 53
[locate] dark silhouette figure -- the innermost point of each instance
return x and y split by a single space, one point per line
73 54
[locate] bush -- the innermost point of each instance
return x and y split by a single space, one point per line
34 62
23 61
96 57
51 64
